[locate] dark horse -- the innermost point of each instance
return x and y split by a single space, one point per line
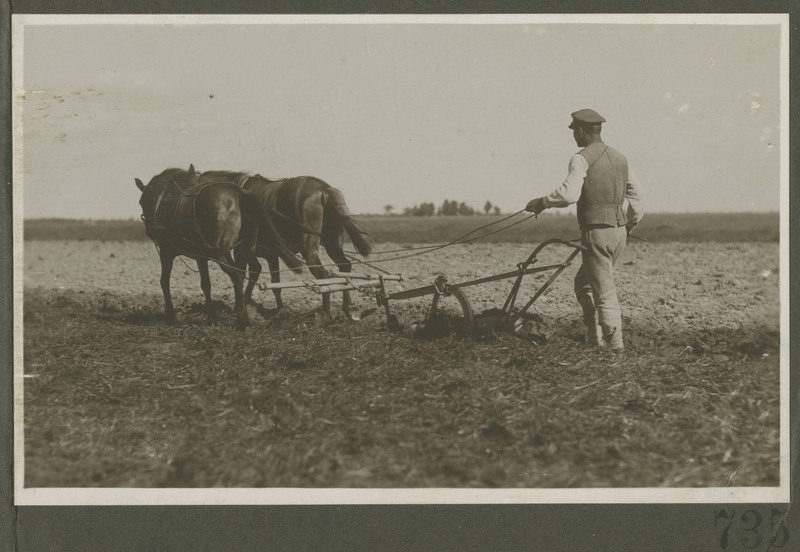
305 212
204 219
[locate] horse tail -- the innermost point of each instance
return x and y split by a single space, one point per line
336 210
255 211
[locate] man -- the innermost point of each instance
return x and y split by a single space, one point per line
600 181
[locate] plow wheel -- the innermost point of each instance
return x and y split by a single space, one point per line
441 317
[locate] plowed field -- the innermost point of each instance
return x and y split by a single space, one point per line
115 397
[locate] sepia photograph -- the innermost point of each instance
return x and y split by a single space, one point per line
401 259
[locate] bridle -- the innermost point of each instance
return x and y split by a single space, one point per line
151 222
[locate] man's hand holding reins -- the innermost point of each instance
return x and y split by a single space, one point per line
535 206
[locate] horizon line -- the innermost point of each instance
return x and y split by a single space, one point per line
401 215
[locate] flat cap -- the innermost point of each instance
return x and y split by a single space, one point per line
586 117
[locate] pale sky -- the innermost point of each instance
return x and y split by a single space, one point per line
399 113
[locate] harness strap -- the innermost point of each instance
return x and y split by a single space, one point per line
297 198
270 203
205 245
189 195
271 197
158 201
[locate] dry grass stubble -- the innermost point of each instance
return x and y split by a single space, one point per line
116 398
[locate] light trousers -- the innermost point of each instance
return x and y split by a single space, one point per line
594 282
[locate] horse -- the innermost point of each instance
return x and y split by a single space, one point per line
204 220
306 212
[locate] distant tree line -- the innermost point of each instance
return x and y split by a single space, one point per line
446 209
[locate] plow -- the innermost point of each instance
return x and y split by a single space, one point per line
505 318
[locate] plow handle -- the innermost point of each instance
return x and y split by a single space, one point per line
551 241
578 248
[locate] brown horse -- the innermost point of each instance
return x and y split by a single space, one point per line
305 212
204 220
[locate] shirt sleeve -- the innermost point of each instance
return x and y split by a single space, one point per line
570 191
635 197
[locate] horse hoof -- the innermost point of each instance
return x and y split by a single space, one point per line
243 322
268 314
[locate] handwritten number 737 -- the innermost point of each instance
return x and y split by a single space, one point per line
750 528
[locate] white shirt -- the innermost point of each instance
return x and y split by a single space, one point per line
570 191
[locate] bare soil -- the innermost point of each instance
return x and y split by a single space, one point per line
115 397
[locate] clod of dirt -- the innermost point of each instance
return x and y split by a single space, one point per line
216 307
758 342
497 431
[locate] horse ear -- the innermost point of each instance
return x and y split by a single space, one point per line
191 168
139 185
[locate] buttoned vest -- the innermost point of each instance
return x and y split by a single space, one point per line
603 191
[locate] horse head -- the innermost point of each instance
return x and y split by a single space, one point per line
167 183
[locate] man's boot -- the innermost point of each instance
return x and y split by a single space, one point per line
613 336
594 335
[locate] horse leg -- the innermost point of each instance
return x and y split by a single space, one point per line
205 285
334 249
236 274
275 278
245 256
312 218
247 261
253 272
241 269
167 259
311 255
